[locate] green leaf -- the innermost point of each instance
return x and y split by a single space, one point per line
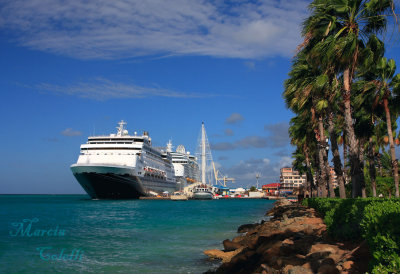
381 63
322 104
392 65
321 80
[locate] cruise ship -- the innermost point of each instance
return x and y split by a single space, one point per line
185 165
123 166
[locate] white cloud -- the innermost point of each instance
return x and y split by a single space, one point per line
103 89
106 29
234 118
71 132
245 172
285 161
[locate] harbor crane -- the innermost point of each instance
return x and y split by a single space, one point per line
221 180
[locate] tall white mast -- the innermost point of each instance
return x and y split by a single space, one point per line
203 154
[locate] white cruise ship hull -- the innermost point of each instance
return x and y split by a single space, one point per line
117 182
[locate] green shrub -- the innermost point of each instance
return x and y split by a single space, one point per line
375 219
381 228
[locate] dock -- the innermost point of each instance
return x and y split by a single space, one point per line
154 198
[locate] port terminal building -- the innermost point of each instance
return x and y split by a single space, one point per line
291 180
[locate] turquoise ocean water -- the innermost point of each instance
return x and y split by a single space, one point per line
72 234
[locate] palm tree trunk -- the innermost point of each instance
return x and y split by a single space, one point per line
345 157
361 143
317 176
322 159
337 164
309 176
371 169
395 167
356 170
329 182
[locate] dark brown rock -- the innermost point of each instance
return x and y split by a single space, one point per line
328 269
290 269
247 227
230 246
303 245
269 270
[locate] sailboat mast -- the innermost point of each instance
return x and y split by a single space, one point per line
203 154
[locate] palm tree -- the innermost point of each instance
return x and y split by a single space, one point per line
302 95
385 185
302 136
346 25
334 132
385 86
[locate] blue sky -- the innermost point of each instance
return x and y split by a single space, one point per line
70 69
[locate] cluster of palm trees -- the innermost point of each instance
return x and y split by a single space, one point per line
344 92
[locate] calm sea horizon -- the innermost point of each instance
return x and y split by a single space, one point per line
72 233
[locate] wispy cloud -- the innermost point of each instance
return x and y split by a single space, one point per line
245 171
244 143
229 132
234 118
103 89
223 146
279 133
252 142
71 132
250 65
278 138
106 29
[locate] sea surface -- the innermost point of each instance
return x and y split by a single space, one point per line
73 234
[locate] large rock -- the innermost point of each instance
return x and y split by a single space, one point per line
303 245
290 269
247 227
282 202
294 241
328 269
230 246
221 255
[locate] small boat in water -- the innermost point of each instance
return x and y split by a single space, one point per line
203 192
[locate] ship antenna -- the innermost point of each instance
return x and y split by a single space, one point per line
121 127
169 146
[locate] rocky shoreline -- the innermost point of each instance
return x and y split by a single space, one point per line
294 240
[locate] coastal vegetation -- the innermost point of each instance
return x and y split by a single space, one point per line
375 220
345 95
294 240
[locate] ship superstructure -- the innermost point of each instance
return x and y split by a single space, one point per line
185 165
123 166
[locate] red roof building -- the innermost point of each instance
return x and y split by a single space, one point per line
271 189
